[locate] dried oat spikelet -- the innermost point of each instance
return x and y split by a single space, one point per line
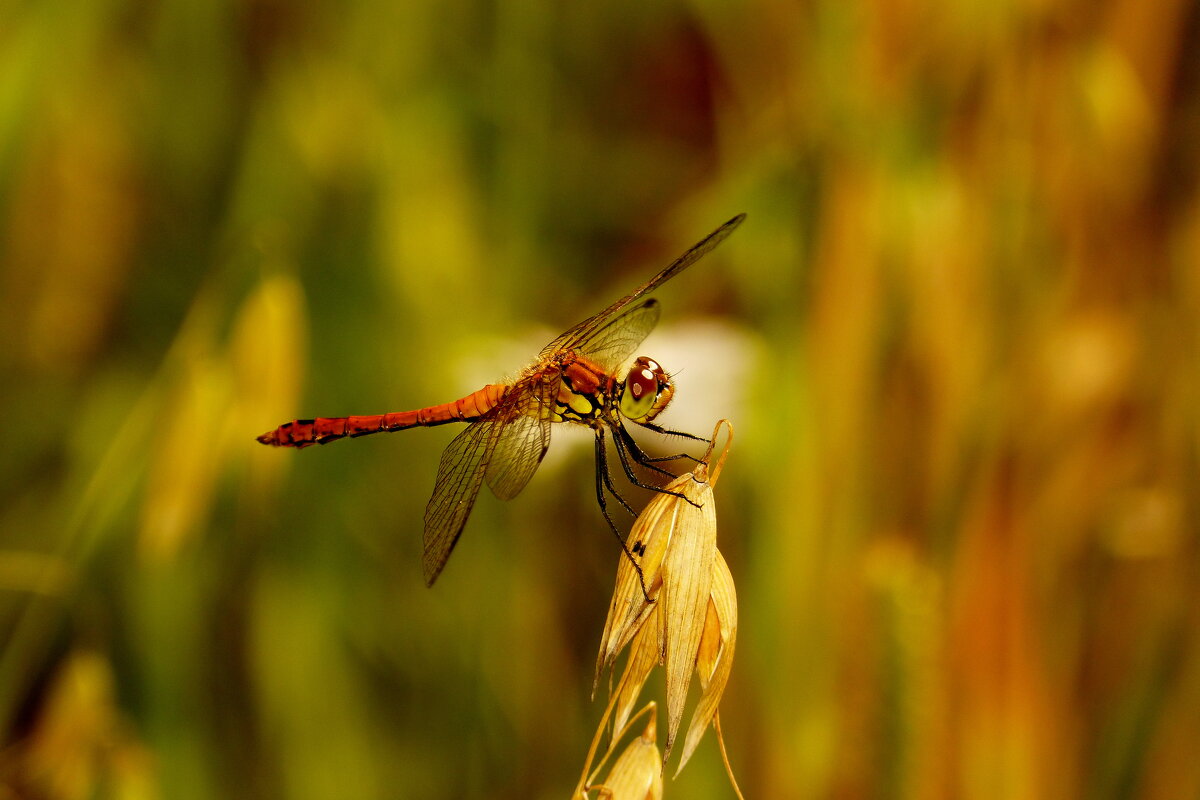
714 661
637 773
691 621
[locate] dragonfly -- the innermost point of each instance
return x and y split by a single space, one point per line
575 379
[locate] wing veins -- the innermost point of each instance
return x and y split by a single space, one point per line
460 474
572 338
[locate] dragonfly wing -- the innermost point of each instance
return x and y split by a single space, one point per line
460 474
613 344
571 339
524 438
519 450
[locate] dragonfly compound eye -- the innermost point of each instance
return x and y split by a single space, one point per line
647 391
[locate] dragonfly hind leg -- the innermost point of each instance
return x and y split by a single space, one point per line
604 481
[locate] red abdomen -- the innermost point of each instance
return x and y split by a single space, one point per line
322 430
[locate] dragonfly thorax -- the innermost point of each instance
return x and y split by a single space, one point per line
646 392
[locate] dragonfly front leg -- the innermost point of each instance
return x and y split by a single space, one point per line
603 480
646 461
626 449
626 445
668 432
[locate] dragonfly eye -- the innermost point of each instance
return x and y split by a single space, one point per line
647 391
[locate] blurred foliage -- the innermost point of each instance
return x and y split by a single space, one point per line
957 335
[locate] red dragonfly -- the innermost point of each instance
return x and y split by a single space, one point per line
574 379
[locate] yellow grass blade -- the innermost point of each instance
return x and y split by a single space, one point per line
714 661
645 654
687 576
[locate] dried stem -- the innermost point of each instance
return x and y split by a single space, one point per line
725 756
715 472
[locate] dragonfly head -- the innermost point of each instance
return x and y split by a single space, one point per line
647 391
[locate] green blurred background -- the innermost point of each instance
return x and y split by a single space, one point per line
957 336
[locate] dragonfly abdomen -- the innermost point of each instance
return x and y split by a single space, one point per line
322 430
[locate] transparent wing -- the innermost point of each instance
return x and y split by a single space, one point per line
584 331
612 345
460 474
522 442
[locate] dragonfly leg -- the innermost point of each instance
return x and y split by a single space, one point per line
624 443
669 432
603 480
627 446
646 459
603 473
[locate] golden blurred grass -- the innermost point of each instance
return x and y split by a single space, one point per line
962 510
